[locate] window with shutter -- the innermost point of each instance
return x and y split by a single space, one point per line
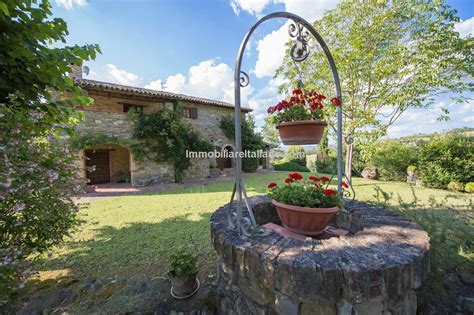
190 112
194 113
128 107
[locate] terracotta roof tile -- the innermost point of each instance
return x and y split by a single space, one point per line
130 91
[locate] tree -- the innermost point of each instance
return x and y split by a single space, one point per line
391 56
36 176
251 141
270 133
296 154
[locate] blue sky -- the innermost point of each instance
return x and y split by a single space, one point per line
191 46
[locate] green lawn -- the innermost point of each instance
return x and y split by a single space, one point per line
125 241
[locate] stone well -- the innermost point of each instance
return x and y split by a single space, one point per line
375 269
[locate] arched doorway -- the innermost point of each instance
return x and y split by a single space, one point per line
227 151
219 160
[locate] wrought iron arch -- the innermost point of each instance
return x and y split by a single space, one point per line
300 29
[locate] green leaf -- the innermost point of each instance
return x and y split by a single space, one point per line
4 9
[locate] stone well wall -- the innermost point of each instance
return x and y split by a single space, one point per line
376 269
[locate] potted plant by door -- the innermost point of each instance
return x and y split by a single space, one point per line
183 271
304 206
300 119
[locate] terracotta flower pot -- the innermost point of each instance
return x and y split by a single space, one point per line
183 286
301 132
304 220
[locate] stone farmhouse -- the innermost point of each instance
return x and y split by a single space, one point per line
114 162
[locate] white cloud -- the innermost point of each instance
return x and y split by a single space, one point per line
271 51
254 7
307 9
117 75
264 98
310 10
419 120
271 48
467 107
465 27
69 4
206 79
468 119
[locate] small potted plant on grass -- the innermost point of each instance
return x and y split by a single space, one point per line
300 119
305 206
183 271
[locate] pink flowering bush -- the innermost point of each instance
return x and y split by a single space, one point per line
37 176
36 210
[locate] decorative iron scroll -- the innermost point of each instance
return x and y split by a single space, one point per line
300 49
244 79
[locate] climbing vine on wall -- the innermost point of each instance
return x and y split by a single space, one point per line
251 141
87 140
163 136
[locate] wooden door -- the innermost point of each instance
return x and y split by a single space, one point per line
97 166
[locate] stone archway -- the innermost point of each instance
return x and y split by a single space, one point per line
227 160
219 160
107 164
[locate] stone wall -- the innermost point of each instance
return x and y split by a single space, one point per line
111 124
376 269
119 159
106 116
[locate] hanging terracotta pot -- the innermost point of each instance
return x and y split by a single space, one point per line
301 132
304 220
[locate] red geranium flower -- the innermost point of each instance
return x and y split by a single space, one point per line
313 178
329 192
289 180
297 92
344 184
325 179
296 176
271 185
336 101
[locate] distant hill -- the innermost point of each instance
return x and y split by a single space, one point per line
465 131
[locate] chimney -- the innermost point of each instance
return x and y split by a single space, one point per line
76 71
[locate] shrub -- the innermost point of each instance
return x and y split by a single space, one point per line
290 167
393 158
296 154
36 210
326 166
445 159
36 177
456 186
250 165
163 136
469 187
